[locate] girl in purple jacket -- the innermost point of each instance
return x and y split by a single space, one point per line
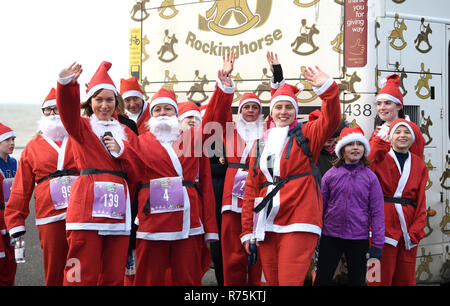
353 205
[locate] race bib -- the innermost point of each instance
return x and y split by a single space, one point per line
60 191
239 184
7 186
166 195
109 200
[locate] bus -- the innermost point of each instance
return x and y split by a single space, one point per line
179 44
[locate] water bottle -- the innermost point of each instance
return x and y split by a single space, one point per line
131 263
252 257
19 249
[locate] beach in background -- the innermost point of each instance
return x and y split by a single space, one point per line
22 118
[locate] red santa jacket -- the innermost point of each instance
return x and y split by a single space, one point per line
384 164
156 161
90 153
40 157
297 206
142 120
235 148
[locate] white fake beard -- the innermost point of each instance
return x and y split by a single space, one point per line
166 129
250 131
99 127
276 140
52 127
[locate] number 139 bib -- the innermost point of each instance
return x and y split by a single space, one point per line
109 200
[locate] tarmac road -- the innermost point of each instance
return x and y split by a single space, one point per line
31 273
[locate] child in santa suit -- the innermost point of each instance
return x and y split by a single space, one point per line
352 204
8 168
98 218
282 186
390 108
47 168
136 108
245 133
403 176
176 216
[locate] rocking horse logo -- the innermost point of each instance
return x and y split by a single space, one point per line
308 4
306 37
217 18
397 33
425 30
168 41
425 76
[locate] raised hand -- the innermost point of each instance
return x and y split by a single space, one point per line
75 69
228 62
224 77
315 76
272 59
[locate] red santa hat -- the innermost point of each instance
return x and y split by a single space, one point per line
285 93
399 122
247 98
391 90
164 96
101 80
349 135
187 109
131 88
6 132
50 100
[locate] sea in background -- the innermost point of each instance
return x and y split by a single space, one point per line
23 119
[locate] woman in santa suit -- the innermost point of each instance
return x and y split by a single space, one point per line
246 132
98 216
282 184
173 219
390 108
47 168
403 176
136 108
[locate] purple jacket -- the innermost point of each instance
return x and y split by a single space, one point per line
353 202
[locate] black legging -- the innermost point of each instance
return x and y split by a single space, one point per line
330 252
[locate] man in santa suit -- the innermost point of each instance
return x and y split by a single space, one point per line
98 218
245 133
403 176
175 214
390 108
8 168
47 168
136 108
282 184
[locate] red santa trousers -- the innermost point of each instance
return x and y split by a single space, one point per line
398 266
52 237
95 259
286 257
8 264
183 257
235 258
